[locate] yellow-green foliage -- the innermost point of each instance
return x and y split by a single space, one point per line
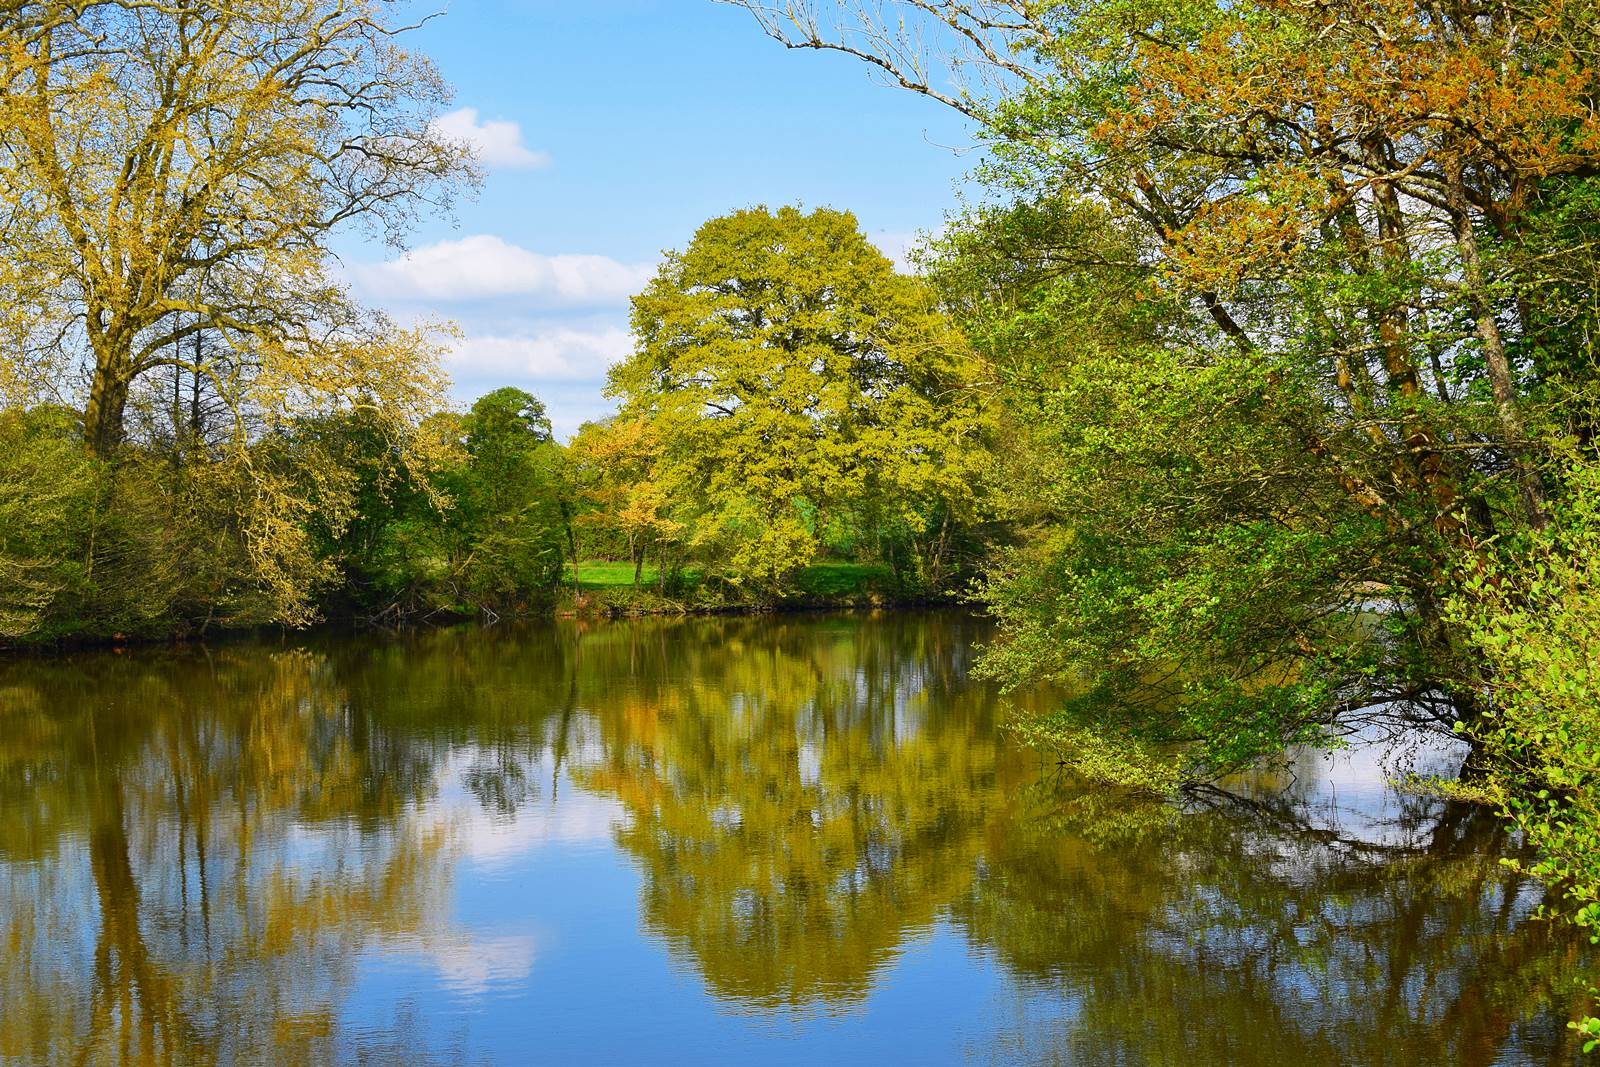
47 485
792 381
1534 611
147 545
1119 761
171 176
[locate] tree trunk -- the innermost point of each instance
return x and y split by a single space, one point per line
1397 341
196 420
572 544
108 401
1494 349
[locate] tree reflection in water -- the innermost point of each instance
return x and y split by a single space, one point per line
800 817
176 884
198 852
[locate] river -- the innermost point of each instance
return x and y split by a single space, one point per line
790 839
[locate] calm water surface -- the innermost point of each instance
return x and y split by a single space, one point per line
771 840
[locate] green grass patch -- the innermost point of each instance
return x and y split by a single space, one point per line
611 574
828 580
842 579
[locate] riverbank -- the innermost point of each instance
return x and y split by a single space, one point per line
606 588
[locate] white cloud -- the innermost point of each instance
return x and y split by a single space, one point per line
497 142
483 267
559 352
470 966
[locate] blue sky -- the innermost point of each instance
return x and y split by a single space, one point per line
609 131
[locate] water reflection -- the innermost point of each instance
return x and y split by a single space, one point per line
194 854
802 814
712 839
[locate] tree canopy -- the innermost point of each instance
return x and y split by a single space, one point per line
1272 306
172 172
802 390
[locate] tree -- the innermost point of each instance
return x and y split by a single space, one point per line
1321 237
792 377
505 520
621 456
173 171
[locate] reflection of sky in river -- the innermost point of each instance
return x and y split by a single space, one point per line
775 841
1359 792
528 990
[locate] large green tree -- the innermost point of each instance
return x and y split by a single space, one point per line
172 177
506 522
801 388
1270 293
